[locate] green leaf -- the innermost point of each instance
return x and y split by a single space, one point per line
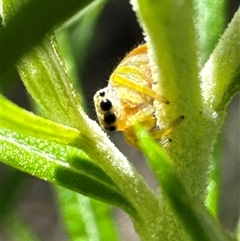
64 41
210 20
80 30
50 162
220 75
12 182
171 36
85 219
33 19
43 71
105 216
192 214
18 119
44 74
238 230
214 183
17 229
75 38
232 89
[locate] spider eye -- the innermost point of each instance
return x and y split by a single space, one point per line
106 105
111 128
109 118
102 93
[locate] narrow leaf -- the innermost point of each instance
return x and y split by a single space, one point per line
192 214
220 75
75 38
33 20
17 229
85 219
210 20
18 119
44 74
214 183
50 77
49 161
105 217
60 103
12 181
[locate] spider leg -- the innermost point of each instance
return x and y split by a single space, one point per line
123 81
158 134
131 137
146 118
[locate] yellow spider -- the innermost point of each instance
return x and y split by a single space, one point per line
129 98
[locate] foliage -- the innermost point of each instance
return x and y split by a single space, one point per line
67 148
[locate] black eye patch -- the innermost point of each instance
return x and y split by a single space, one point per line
109 118
106 105
110 128
102 93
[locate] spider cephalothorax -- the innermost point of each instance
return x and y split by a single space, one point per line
129 97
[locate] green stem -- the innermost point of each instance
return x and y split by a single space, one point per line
42 71
171 36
